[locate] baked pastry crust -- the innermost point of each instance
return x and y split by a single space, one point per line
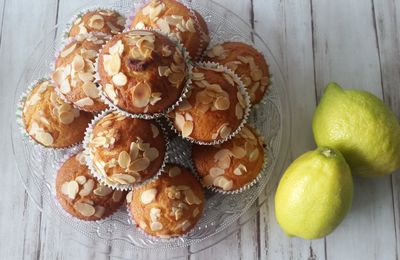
81 195
246 62
169 206
50 121
233 164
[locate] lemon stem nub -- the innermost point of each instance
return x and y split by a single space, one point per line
327 152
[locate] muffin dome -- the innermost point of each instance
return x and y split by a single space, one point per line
50 121
125 151
142 72
215 107
81 195
98 21
74 72
177 20
169 206
233 164
246 62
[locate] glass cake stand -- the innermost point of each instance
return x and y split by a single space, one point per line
223 214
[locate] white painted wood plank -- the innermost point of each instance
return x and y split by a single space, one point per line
286 27
346 51
387 24
20 223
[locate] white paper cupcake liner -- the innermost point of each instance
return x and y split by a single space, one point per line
247 186
247 110
270 76
103 179
84 11
53 67
185 90
140 4
21 124
54 193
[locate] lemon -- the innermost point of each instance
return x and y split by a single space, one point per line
361 127
314 194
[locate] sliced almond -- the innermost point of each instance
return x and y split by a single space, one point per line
96 22
176 78
191 198
65 87
80 179
208 180
134 151
187 129
117 48
129 197
142 94
256 74
72 189
117 195
163 25
148 196
64 188
90 89
223 183
99 211
225 132
87 188
85 209
119 79
185 225
238 111
140 164
154 130
87 101
151 153
156 226
215 172
45 138
240 170
66 117
68 51
78 63
238 152
164 71
124 159
123 178
222 103
102 191
99 141
155 214
196 212
179 121
190 25
254 155
174 171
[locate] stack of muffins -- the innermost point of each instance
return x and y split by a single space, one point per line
116 86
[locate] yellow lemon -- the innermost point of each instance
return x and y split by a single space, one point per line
361 127
314 194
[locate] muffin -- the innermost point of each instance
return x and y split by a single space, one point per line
74 72
125 151
50 121
142 72
215 108
169 206
246 62
232 165
81 195
98 21
177 20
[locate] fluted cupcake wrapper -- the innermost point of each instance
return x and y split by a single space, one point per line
262 172
247 110
270 76
21 124
53 67
139 4
81 13
60 163
185 90
104 179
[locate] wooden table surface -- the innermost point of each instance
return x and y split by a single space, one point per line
353 42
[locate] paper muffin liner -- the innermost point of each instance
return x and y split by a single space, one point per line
53 67
247 110
140 4
247 186
103 179
84 11
60 163
185 90
21 124
251 44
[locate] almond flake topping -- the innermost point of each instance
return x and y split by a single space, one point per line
174 171
148 196
85 209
